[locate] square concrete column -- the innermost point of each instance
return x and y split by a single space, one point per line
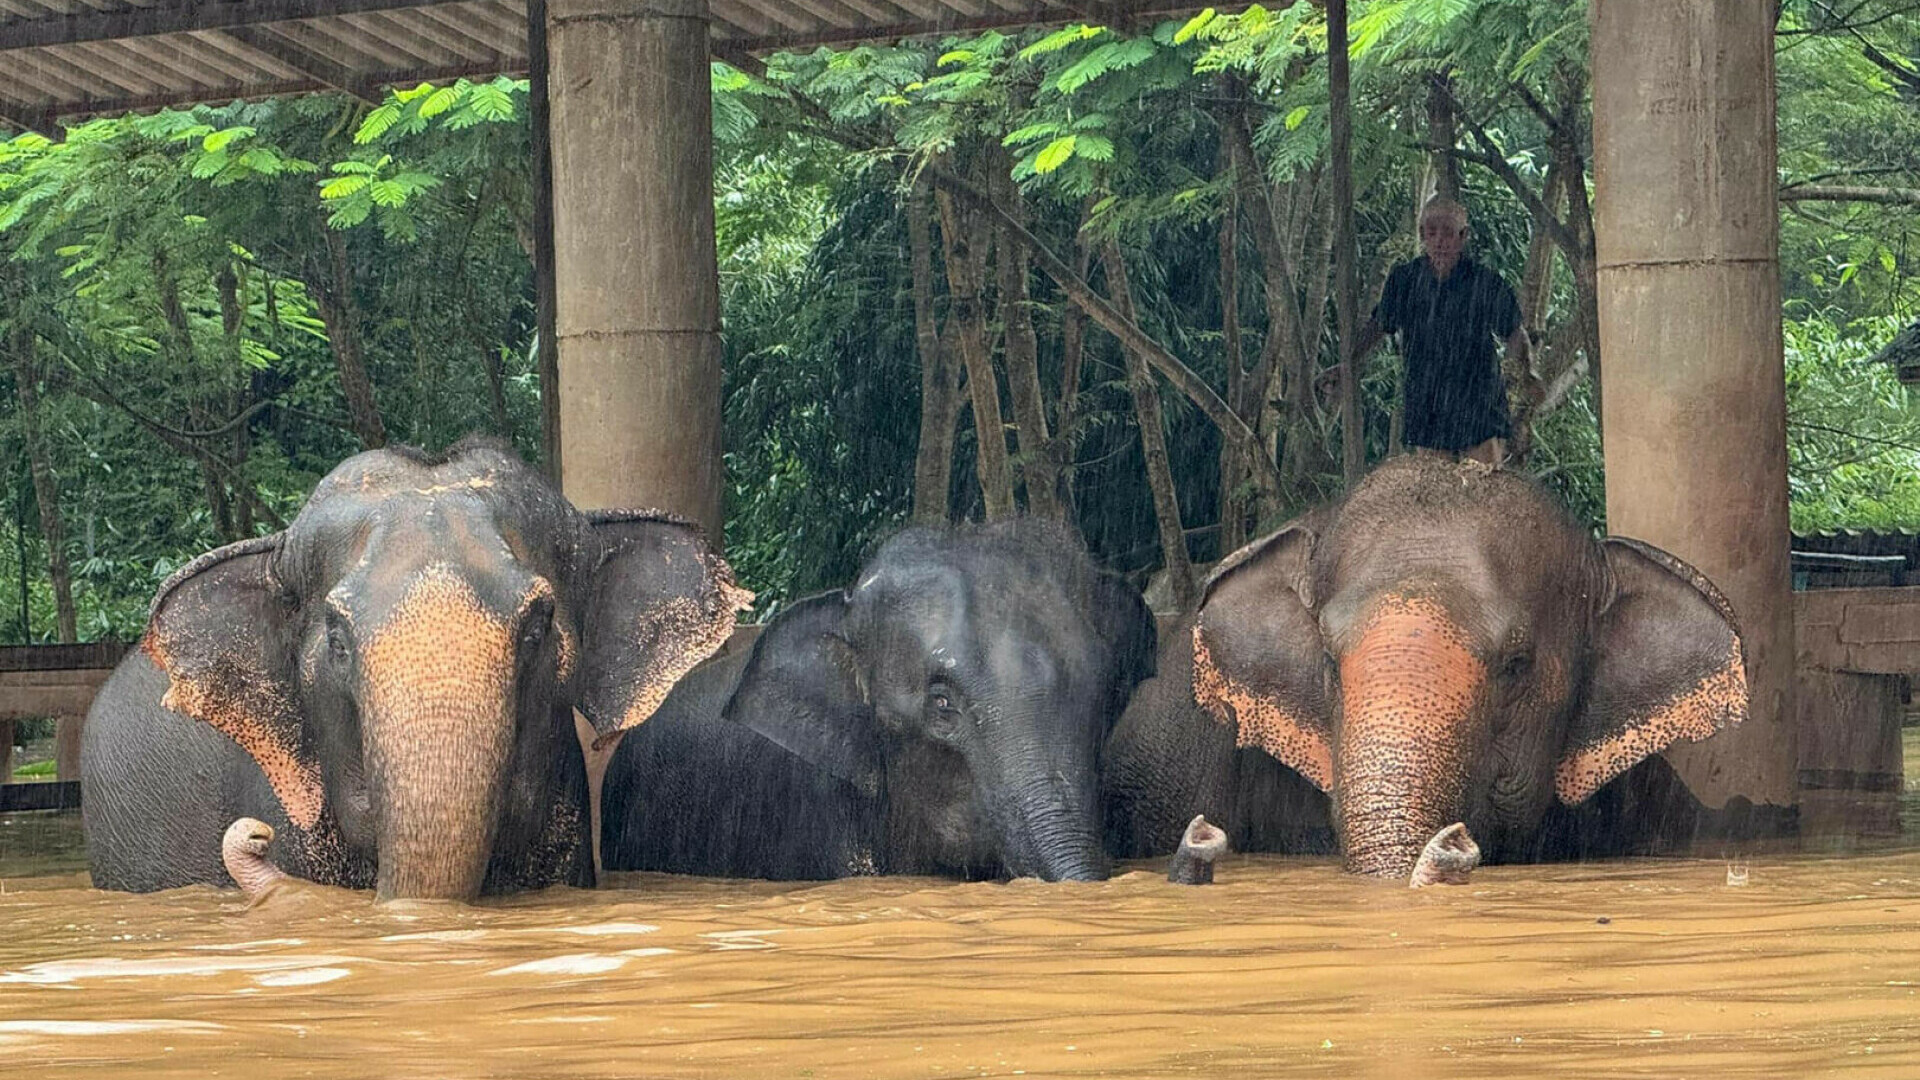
1695 395
636 282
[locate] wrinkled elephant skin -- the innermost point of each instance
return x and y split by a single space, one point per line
1443 645
943 715
390 682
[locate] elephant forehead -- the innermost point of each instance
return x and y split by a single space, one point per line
1412 655
1480 609
439 638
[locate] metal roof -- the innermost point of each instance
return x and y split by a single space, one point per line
76 57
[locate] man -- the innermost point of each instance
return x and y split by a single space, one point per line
1448 310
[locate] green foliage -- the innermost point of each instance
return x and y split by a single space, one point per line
359 189
165 268
1854 431
170 272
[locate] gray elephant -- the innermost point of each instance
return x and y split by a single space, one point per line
390 682
942 716
1446 644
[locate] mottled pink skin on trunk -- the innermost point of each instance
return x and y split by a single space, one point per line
1411 684
244 851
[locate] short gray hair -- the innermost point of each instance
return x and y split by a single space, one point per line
1439 205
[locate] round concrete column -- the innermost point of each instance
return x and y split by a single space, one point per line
636 282
1695 393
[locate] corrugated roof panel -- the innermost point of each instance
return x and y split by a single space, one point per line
69 57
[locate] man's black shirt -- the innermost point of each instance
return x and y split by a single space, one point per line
1455 398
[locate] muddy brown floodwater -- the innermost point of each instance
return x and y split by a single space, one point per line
1284 967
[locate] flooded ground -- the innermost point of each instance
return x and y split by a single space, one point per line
1286 967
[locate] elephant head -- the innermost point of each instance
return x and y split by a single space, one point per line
402 661
1448 645
967 681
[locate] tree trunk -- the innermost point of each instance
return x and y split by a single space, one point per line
1353 435
1286 240
179 347
963 285
1536 278
1441 131
939 389
497 390
1153 442
1536 296
341 315
1233 461
546 343
233 312
1586 274
1184 378
1022 352
1073 351
46 486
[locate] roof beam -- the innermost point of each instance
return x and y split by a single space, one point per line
182 15
303 60
218 95
27 117
1109 13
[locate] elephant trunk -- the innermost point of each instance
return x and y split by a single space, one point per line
439 729
1410 687
1054 831
1059 849
437 792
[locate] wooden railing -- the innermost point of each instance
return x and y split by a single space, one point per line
57 681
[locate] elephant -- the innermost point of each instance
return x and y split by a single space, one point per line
390 682
942 716
1445 644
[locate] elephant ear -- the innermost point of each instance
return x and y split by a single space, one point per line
223 629
1665 666
657 601
803 690
1258 662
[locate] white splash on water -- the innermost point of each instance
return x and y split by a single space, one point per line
303 977
570 964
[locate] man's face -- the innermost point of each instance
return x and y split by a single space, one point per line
1443 236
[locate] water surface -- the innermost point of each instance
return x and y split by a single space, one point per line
1285 967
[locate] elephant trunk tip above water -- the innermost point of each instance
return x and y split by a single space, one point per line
1200 846
1446 644
243 850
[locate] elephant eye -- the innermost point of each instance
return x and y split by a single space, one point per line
1517 666
337 642
535 630
943 712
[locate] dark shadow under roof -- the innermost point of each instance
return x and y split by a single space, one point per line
77 57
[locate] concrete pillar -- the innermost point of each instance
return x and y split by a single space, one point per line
636 282
66 746
1695 395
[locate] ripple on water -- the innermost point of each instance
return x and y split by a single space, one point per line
62 972
19 1031
1284 967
